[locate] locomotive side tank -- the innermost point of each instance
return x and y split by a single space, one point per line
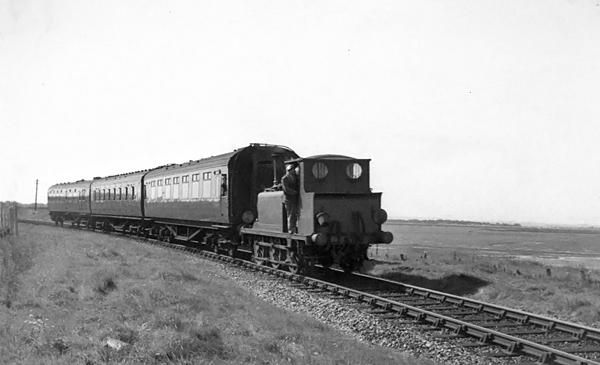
339 217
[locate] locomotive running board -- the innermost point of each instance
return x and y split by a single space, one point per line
274 234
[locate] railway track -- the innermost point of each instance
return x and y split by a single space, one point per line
507 332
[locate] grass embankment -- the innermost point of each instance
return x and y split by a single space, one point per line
62 293
567 292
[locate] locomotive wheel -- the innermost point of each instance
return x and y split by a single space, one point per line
162 235
326 263
348 266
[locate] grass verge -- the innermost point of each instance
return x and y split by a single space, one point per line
66 293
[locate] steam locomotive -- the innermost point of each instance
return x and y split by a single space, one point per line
230 203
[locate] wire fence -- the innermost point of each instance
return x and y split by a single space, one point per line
9 222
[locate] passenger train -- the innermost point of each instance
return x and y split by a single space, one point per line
232 203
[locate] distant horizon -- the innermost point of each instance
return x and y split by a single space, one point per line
524 224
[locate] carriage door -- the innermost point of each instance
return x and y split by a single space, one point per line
82 200
223 194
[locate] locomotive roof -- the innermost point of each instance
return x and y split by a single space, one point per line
324 157
329 157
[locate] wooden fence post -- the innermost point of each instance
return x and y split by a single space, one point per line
16 220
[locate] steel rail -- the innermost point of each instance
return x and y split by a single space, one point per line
511 345
578 330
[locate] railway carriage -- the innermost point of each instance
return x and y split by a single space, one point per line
117 202
69 201
208 200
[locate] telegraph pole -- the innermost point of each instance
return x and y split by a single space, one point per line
36 188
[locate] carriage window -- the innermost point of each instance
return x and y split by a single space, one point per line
153 183
168 181
132 193
176 180
184 179
120 194
206 176
108 196
195 177
160 182
126 193
114 193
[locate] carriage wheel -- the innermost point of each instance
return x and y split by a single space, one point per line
292 263
259 254
232 251
278 255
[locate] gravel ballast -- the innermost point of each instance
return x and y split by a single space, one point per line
346 317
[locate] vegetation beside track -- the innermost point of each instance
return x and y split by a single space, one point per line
479 262
570 292
64 293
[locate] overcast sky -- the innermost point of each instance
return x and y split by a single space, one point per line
472 110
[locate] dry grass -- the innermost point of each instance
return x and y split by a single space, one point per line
65 292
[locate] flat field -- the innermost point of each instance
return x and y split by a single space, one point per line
547 271
550 246
65 295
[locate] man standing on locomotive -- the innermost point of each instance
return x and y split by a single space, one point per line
291 189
